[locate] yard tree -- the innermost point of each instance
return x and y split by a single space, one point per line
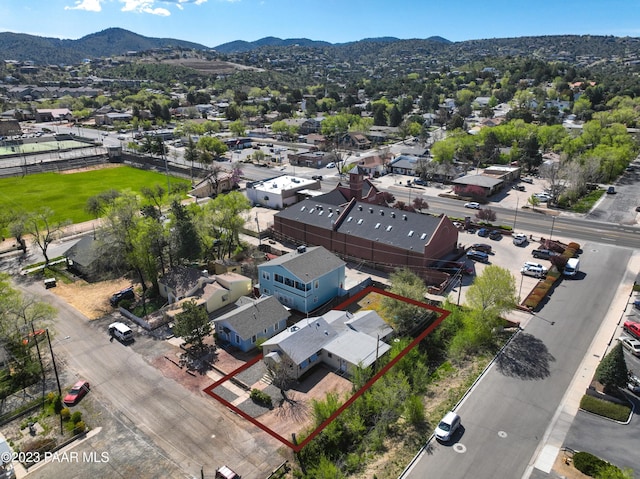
612 371
534 201
184 238
486 214
191 154
492 294
213 146
44 229
221 222
238 128
405 316
193 325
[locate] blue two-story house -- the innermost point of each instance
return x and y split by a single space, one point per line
304 279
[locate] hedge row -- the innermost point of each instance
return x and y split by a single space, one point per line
614 411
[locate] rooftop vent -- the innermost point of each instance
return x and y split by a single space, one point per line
410 233
423 236
404 217
377 225
381 212
370 210
360 207
393 215
389 228
360 221
303 208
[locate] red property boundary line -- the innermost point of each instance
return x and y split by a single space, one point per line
298 447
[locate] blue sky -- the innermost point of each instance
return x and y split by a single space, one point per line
213 22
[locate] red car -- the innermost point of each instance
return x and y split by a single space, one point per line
77 392
632 328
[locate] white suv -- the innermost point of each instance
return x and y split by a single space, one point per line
519 239
533 269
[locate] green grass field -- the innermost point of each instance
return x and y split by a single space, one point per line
67 194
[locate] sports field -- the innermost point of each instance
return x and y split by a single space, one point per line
41 147
66 194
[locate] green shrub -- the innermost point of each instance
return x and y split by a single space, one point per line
260 397
76 417
57 404
617 412
588 463
65 413
79 427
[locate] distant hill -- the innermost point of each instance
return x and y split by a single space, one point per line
109 42
240 46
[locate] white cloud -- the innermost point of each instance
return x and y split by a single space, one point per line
148 6
88 5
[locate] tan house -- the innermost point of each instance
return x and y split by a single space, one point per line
212 292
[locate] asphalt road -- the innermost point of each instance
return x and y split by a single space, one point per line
180 430
506 415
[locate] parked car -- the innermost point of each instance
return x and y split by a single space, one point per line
317 177
126 293
77 392
518 187
478 256
632 344
447 426
454 267
632 328
420 181
495 235
473 205
543 197
527 180
543 253
636 303
519 239
485 248
331 165
611 190
633 384
533 269
484 232
224 472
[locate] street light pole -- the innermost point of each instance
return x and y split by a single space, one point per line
553 222
520 292
515 216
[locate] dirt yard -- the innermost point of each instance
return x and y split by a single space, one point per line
91 299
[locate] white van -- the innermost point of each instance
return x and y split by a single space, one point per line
572 267
121 331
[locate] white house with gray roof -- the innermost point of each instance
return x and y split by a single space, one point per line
341 340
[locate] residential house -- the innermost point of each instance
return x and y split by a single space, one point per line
355 140
212 185
304 279
310 126
250 321
54 114
213 292
341 340
373 165
404 165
